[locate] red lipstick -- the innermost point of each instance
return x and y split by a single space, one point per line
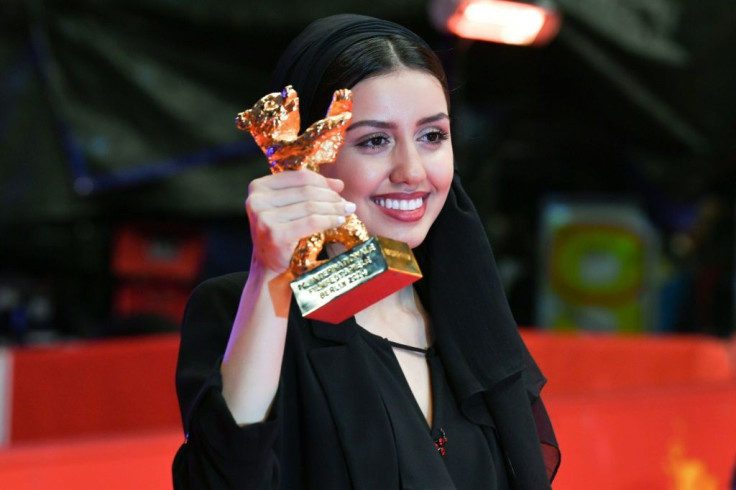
402 206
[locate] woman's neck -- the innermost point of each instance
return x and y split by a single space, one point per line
399 317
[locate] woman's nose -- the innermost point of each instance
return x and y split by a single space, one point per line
408 167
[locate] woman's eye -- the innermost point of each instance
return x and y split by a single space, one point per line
374 142
435 136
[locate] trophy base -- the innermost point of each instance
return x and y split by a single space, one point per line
355 279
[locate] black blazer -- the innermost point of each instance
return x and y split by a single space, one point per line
327 429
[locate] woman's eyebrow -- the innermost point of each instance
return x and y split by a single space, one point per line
431 119
374 123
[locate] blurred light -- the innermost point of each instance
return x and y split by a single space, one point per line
504 21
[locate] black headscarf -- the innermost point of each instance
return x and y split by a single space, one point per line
305 60
487 363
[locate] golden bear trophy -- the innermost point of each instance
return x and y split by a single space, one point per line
371 268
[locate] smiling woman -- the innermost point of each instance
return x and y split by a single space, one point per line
396 162
430 387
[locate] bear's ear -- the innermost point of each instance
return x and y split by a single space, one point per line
243 120
290 99
292 105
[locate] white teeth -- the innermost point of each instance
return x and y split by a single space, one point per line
400 204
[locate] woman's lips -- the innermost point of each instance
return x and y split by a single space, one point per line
403 207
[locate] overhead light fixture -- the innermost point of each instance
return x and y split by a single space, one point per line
500 21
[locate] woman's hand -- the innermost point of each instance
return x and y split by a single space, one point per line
286 207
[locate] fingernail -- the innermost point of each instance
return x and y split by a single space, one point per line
350 207
340 220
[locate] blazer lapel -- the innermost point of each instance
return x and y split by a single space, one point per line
362 424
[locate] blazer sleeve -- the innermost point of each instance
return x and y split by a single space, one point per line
217 453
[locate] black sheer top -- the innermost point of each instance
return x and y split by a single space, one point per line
452 454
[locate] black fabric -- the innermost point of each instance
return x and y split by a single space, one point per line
325 431
310 53
329 427
463 294
470 461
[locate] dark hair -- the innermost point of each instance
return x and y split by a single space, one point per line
370 58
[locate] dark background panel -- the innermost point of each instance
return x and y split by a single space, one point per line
121 112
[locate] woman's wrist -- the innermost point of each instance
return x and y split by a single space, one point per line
276 284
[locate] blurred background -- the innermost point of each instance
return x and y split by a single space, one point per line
599 149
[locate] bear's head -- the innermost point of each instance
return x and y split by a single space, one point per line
273 118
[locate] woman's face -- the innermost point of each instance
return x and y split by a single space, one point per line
397 161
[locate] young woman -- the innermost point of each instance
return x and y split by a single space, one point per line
430 388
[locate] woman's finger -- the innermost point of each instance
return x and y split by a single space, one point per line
299 210
274 243
284 180
299 196
286 235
